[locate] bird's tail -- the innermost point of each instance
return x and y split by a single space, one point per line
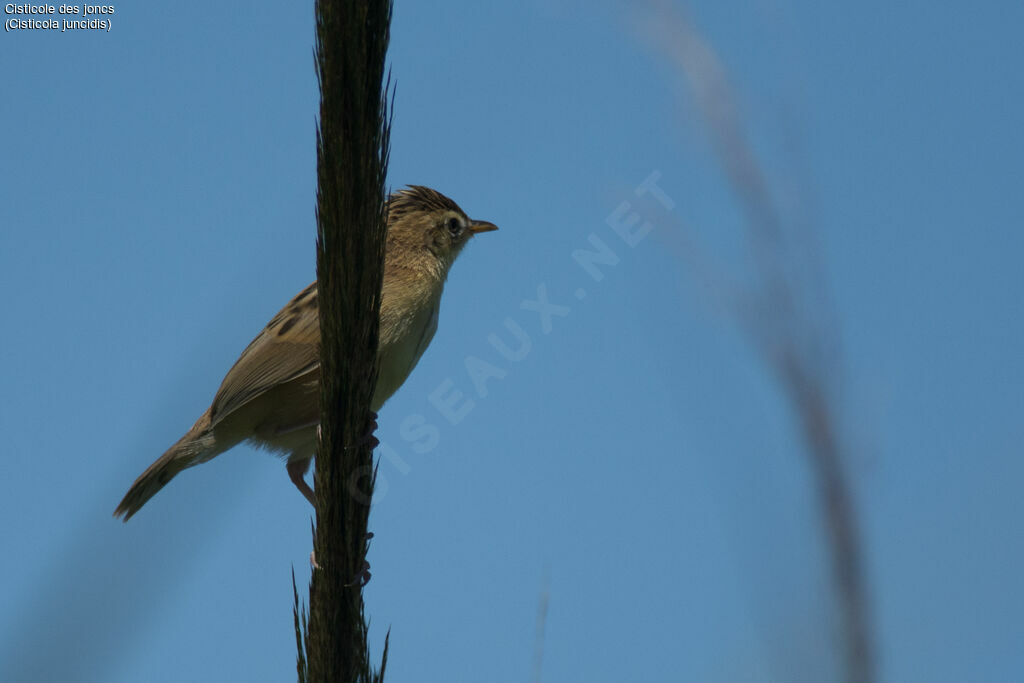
198 445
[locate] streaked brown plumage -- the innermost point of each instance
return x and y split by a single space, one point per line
270 397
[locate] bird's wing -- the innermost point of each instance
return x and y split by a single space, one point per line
287 348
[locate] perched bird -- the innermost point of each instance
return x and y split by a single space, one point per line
271 395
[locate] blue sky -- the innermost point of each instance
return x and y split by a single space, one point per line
638 465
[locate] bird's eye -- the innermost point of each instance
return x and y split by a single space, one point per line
454 226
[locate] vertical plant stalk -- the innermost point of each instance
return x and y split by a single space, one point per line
352 154
790 323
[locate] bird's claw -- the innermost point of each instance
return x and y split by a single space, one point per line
360 579
367 438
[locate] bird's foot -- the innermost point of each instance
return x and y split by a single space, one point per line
360 579
368 437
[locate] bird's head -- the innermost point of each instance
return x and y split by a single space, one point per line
427 230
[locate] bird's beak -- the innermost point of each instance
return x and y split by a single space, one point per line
481 226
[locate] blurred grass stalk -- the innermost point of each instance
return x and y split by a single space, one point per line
790 322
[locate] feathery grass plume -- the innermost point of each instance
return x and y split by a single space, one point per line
352 154
791 323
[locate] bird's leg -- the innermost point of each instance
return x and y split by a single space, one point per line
363 577
297 468
296 473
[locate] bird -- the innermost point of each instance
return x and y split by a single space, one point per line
270 396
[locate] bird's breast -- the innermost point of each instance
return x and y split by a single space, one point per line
402 342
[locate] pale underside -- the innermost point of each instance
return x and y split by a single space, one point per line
270 397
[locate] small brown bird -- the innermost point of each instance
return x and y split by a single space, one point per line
271 395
